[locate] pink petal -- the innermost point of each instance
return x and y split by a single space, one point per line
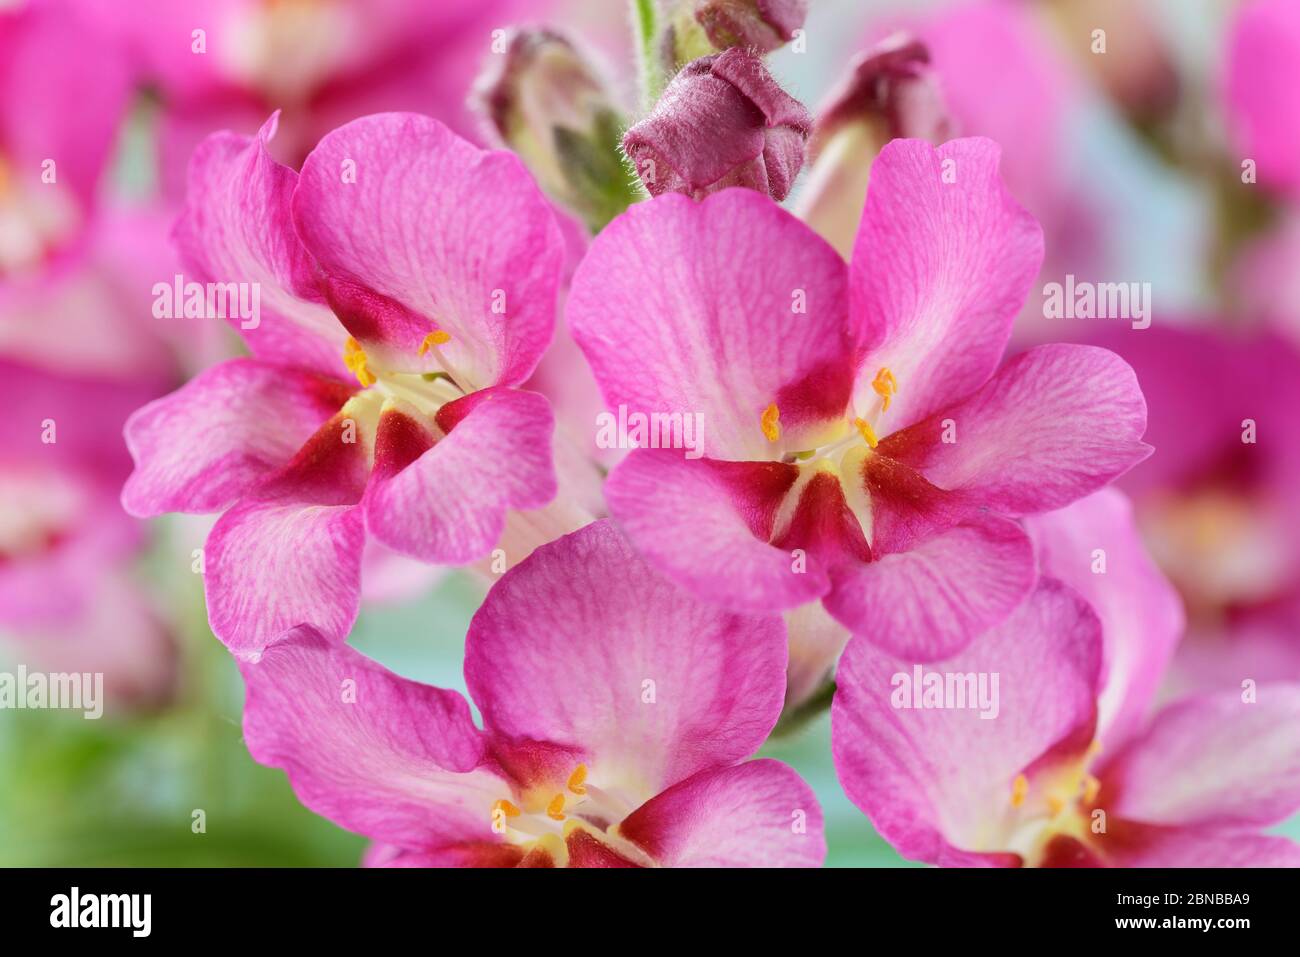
203 446
936 782
706 524
433 233
1141 613
64 88
447 501
393 759
289 553
1262 97
939 271
1056 423
691 308
1152 847
236 227
585 647
757 814
931 599
1213 761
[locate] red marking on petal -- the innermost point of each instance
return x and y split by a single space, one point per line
327 470
757 490
399 441
1065 851
586 850
824 526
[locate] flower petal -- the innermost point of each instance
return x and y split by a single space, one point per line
1213 760
943 262
706 524
933 781
1141 613
1055 423
398 761
584 647
757 814
203 446
236 227
719 309
930 600
1152 847
289 553
418 229
446 501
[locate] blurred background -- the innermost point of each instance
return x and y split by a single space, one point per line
1173 158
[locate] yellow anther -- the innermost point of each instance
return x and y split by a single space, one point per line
555 810
771 422
885 385
435 338
505 807
1091 785
577 778
354 357
1055 803
867 432
1094 749
1019 790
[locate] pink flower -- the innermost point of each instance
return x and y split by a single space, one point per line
50 165
68 600
861 445
1261 91
1033 785
409 283
227 64
723 121
615 712
1217 505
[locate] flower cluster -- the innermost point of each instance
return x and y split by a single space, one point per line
720 465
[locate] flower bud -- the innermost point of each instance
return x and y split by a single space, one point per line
723 121
890 92
701 27
546 102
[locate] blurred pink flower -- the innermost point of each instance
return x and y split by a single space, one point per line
617 716
1217 503
403 260
1262 90
861 445
68 598
227 64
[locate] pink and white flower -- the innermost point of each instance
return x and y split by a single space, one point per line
1036 786
862 447
617 717
408 283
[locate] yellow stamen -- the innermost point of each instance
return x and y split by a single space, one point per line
1091 785
577 778
885 385
435 338
1055 803
354 357
1094 749
505 807
555 810
1019 790
867 432
771 422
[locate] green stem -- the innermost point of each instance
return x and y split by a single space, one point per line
646 20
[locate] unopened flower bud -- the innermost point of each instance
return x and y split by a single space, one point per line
546 102
889 92
700 27
723 121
